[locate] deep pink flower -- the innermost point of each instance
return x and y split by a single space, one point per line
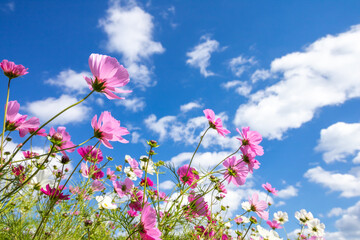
216 124
61 139
251 139
197 205
16 121
259 206
148 181
188 176
236 171
160 196
108 129
19 171
93 171
123 188
11 70
267 186
132 213
54 193
91 154
248 157
137 200
147 225
41 132
274 224
110 174
28 154
108 75
221 188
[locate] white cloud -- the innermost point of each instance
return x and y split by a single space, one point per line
134 104
200 56
288 192
239 64
326 73
167 185
339 141
201 160
335 212
242 88
46 109
347 184
71 81
189 106
130 32
135 136
260 74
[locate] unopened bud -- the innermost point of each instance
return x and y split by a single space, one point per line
65 159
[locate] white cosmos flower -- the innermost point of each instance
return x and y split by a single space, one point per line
316 228
268 235
105 202
303 216
130 174
246 206
150 167
281 217
42 178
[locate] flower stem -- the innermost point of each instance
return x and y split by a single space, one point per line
4 124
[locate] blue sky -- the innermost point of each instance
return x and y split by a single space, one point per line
288 69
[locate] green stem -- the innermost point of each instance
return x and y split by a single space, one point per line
4 124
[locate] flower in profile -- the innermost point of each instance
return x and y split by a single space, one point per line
108 75
259 206
108 129
303 216
241 219
274 224
11 70
147 225
133 171
61 139
91 154
123 188
188 175
281 217
215 123
236 171
55 193
248 157
251 139
93 171
40 132
267 186
16 121
105 202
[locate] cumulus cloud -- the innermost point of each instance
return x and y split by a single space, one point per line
326 73
339 141
189 106
167 185
288 192
348 184
260 74
130 32
45 109
200 55
203 160
240 64
71 81
134 104
241 88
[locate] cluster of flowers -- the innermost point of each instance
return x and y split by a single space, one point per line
124 204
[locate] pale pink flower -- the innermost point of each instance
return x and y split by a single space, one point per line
61 139
108 129
267 186
108 75
134 166
123 188
248 157
41 132
236 171
274 224
97 186
147 225
11 70
197 205
215 123
188 176
251 139
110 174
259 206
91 154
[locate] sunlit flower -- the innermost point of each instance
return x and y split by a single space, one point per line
105 202
93 171
236 171
274 224
270 235
147 226
316 228
281 217
96 185
110 174
251 139
55 193
248 157
123 188
11 70
259 206
267 186
148 166
215 123
149 183
108 75
61 140
91 154
188 175
303 216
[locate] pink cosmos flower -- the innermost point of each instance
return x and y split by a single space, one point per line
137 200
97 186
134 166
238 220
41 132
93 171
274 224
248 157
123 188
28 154
108 75
54 193
251 139
132 213
77 191
147 225
108 129
16 121
188 176
148 181
160 196
216 124
110 174
19 171
91 154
267 186
198 206
221 188
61 139
236 171
11 70
259 206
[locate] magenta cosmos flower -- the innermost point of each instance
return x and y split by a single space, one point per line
123 188
16 121
197 205
54 193
94 172
258 206
108 129
91 154
215 124
61 139
236 171
248 157
251 139
108 75
147 225
274 224
267 186
188 176
11 70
